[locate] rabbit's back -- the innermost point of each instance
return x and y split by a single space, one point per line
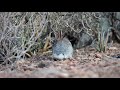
63 47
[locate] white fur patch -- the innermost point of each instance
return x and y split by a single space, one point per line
61 56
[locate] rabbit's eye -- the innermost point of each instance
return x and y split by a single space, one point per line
54 42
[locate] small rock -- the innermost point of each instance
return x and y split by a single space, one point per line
42 65
98 55
97 59
92 49
63 75
91 54
78 58
112 48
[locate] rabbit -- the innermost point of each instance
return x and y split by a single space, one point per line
62 47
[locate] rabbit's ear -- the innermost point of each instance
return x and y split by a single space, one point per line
60 34
56 33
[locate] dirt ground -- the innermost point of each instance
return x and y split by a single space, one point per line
86 63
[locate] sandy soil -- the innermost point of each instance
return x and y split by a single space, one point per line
86 63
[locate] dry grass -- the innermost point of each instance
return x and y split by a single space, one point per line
21 32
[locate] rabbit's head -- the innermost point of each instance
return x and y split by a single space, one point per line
58 36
